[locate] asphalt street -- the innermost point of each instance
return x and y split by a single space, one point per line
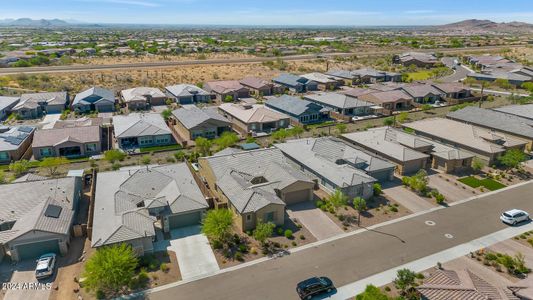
358 256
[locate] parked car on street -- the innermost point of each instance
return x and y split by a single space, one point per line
45 266
514 216
314 286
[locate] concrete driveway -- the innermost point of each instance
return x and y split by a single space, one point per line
315 220
194 254
23 273
451 191
408 199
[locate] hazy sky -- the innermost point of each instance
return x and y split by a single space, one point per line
271 12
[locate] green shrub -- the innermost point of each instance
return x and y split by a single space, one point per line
293 243
406 180
243 248
116 166
279 230
393 208
146 160
239 256
302 237
288 234
491 256
319 203
217 244
100 294
440 198
164 267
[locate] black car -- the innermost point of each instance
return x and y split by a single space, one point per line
314 286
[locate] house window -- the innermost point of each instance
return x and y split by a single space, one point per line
90 147
269 217
145 140
248 218
4 155
45 152
162 140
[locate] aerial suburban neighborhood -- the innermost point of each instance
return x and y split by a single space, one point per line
238 150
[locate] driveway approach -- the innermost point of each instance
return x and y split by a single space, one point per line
316 221
358 256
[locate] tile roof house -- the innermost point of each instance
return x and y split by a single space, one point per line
423 93
139 130
187 94
14 142
337 166
461 285
94 99
325 82
256 185
300 110
227 89
143 97
341 103
370 75
6 104
442 157
382 142
254 119
32 106
37 216
296 83
518 127
419 59
261 87
454 90
74 141
129 201
191 122
348 77
516 79
523 111
393 100
483 143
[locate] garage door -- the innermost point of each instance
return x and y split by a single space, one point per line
296 197
382 176
34 250
184 220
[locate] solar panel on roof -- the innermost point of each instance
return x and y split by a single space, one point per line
13 140
53 211
25 129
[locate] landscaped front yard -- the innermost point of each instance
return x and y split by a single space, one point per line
488 183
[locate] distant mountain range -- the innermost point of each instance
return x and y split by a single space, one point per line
481 26
27 22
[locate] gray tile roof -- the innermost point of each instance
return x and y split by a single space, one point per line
141 93
382 140
191 116
56 136
341 74
12 137
524 111
466 135
421 90
290 79
496 120
293 105
7 101
97 93
139 124
334 160
437 149
123 198
236 172
25 204
185 90
337 100
32 100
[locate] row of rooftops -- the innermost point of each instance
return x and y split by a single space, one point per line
498 67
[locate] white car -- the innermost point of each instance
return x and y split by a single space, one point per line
514 216
45 265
